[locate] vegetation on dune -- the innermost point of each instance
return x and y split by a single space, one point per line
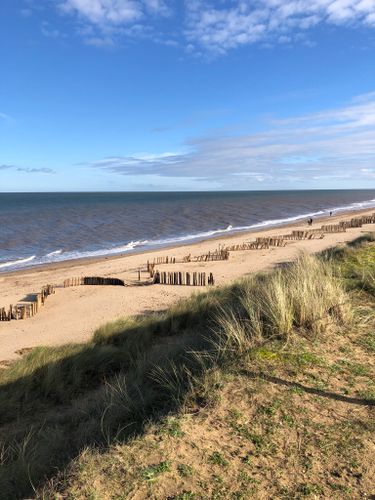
265 352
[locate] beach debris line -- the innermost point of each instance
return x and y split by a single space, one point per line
95 280
183 278
27 309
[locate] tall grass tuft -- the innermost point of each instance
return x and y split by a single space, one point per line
304 297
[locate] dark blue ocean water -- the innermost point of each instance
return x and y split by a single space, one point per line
43 228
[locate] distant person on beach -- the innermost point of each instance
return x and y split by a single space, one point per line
330 214
310 221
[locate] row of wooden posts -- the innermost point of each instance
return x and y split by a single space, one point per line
266 242
29 309
220 254
252 245
333 228
311 234
183 278
26 309
93 280
164 260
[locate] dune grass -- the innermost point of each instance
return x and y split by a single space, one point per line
56 402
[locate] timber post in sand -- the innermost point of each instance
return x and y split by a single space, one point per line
93 280
27 309
183 278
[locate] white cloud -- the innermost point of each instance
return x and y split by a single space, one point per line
105 12
109 15
28 170
336 145
139 164
101 22
220 26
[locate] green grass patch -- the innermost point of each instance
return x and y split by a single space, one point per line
216 458
152 472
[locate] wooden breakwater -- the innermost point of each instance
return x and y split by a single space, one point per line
221 254
272 241
93 280
333 228
355 222
183 278
253 245
311 234
358 221
216 255
27 309
164 260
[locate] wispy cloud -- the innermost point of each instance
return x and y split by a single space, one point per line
6 117
103 20
139 164
214 27
114 12
49 32
220 26
334 145
28 170
42 170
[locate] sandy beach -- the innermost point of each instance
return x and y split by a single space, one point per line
73 314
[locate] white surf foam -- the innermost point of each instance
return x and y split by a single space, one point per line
60 255
17 263
56 252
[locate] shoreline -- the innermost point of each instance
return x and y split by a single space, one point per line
68 263
72 314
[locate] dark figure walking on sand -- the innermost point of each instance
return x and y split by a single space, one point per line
310 221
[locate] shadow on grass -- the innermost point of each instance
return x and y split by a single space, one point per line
309 390
56 402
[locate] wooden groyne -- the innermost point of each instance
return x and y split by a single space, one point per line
164 260
221 254
93 280
262 243
27 309
183 278
272 241
311 234
333 228
253 245
358 221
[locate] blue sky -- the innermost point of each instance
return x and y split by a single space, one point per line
167 94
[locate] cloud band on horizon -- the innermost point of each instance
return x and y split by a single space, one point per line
336 145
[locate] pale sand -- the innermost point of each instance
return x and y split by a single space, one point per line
73 314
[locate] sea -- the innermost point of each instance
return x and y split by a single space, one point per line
43 228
